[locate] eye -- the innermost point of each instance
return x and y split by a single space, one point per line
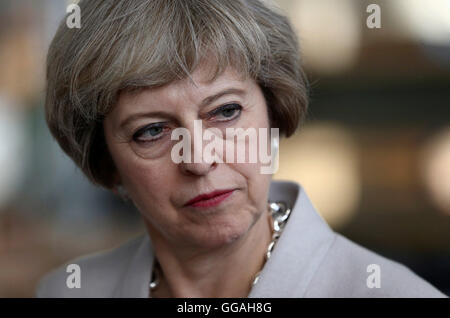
227 112
150 132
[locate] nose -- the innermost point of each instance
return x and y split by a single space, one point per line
197 166
197 169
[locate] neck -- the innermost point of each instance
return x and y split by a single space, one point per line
224 272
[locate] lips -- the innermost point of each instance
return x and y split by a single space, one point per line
209 199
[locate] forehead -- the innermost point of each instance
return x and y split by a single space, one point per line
203 76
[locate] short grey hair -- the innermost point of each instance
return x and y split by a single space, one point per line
133 44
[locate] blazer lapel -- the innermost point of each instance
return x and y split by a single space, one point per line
300 249
135 280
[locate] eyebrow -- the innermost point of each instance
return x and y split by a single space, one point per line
208 100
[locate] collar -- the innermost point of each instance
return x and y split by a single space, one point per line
296 257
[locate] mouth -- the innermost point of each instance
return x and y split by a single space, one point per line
209 199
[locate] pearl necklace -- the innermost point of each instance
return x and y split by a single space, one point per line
279 213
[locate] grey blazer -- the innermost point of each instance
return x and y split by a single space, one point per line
309 260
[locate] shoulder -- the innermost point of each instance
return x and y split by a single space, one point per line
99 273
350 270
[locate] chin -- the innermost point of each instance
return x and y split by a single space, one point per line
221 236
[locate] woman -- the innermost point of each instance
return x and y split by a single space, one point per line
120 87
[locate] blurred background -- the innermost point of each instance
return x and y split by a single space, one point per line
374 154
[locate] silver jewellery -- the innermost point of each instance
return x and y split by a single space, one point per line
279 213
155 277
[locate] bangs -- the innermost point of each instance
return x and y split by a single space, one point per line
171 44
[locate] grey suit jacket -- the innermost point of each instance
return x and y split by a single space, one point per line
309 260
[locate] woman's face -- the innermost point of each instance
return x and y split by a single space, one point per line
138 135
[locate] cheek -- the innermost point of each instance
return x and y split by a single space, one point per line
257 183
148 182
